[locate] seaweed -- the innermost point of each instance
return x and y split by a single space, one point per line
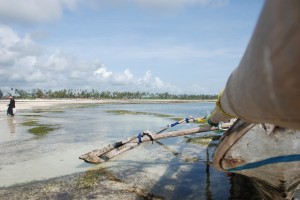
30 123
41 130
38 129
128 112
203 140
92 178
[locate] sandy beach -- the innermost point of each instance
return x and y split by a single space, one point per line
22 104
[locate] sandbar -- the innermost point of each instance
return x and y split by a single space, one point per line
39 103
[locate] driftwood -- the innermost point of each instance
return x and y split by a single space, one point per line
97 156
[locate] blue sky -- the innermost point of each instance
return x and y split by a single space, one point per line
176 46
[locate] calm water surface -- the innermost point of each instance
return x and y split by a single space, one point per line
184 174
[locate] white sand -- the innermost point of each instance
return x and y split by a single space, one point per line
38 103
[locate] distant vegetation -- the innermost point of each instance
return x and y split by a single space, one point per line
38 93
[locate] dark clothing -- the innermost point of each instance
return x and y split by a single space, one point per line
11 105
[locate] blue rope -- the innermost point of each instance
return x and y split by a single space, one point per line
140 137
187 120
174 124
273 160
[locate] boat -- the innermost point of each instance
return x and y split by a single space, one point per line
269 155
263 94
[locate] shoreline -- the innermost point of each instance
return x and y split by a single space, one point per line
23 104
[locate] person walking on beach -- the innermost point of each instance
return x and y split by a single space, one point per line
11 106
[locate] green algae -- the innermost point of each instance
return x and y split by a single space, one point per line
128 112
203 140
92 178
47 110
41 130
30 115
30 123
79 105
38 129
191 159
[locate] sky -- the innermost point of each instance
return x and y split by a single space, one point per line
175 46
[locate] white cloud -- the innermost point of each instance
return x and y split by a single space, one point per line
128 82
155 84
30 11
7 57
23 67
58 61
13 47
157 4
37 11
102 73
177 4
7 36
158 83
36 77
34 11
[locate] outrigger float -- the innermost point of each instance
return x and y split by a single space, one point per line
263 94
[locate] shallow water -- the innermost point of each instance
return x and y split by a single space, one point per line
79 129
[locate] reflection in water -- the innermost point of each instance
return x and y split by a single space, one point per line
208 193
175 153
11 123
242 188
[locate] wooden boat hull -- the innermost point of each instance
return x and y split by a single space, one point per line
269 155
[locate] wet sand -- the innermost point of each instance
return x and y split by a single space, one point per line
39 103
112 180
95 184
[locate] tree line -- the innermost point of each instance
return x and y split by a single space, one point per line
78 93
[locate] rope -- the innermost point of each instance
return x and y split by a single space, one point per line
174 124
118 144
212 124
149 135
139 137
187 120
218 104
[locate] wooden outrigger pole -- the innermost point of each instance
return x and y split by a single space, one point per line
94 156
112 150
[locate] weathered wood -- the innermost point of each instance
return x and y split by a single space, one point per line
94 157
185 132
235 132
269 155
